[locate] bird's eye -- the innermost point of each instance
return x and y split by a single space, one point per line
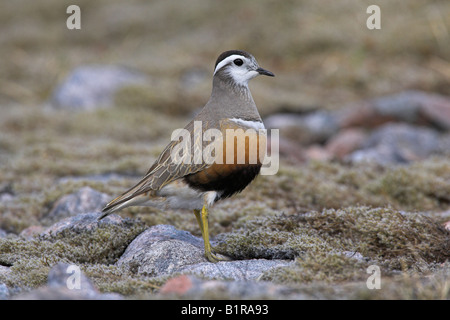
238 62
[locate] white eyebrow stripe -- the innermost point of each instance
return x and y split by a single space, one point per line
248 123
228 59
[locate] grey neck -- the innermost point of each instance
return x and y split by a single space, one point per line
229 100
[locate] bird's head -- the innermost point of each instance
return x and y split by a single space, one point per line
238 67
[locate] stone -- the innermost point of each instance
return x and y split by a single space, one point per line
412 106
67 282
84 200
236 270
315 127
6 192
85 222
31 232
447 225
67 275
4 270
290 151
397 143
318 153
93 86
163 250
436 109
4 292
178 285
345 142
197 288
360 114
403 106
444 144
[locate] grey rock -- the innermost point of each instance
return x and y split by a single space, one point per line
69 275
396 144
86 222
67 282
6 192
314 127
444 144
93 86
4 270
6 197
4 292
193 287
84 200
404 106
31 232
3 233
414 107
163 250
236 270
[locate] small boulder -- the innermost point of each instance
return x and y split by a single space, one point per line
315 127
93 86
163 250
67 282
398 143
84 200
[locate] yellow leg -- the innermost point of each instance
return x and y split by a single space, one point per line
198 216
202 220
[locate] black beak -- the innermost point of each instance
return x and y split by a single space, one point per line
265 72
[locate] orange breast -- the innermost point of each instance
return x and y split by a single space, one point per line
237 161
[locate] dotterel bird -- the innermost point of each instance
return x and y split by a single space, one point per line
197 185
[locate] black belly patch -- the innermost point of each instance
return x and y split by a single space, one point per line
226 186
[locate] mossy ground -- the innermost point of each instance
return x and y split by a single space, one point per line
312 212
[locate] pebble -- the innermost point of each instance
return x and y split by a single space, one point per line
397 143
394 129
84 200
191 286
67 282
85 222
93 86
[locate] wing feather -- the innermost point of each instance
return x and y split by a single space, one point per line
162 172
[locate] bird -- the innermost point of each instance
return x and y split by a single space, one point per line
197 185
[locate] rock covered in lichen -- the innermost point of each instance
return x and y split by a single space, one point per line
164 250
67 282
82 201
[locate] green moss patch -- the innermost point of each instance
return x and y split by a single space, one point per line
322 243
30 261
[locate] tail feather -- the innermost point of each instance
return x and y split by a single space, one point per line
121 203
128 198
113 206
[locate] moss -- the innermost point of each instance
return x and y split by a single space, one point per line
384 234
288 215
273 237
115 279
317 240
433 286
323 266
419 186
31 260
